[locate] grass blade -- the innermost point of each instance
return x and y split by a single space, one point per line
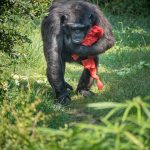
134 139
125 115
106 105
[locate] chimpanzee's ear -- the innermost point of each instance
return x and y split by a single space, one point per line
63 19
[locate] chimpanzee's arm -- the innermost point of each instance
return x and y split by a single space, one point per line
52 40
103 44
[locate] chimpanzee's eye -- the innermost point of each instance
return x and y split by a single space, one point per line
91 16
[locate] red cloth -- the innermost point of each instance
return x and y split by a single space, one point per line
94 34
90 65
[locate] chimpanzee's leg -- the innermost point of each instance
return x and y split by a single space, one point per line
86 81
55 75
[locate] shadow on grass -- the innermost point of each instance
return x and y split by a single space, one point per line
56 116
125 77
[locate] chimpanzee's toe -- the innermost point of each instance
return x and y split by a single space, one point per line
63 100
85 93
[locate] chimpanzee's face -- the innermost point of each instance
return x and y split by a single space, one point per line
76 25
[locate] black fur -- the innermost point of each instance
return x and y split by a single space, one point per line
59 46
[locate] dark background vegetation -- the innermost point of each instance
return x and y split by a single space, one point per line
119 117
12 10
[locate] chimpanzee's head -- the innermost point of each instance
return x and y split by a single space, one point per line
76 24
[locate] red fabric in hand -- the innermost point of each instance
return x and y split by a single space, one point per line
94 34
90 65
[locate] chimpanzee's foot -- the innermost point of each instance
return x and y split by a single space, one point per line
64 100
68 87
85 93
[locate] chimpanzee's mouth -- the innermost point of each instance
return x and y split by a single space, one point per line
76 41
77 38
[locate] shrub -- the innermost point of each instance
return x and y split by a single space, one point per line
15 13
129 129
134 7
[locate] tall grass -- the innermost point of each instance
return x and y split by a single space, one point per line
129 129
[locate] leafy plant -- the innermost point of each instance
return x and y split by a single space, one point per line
134 7
129 130
14 13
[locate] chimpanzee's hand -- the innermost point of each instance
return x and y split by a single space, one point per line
78 49
85 93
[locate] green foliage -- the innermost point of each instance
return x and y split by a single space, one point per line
19 128
15 13
134 7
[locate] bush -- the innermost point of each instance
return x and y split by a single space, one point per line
134 7
15 13
129 129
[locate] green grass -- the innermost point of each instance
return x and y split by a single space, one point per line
27 98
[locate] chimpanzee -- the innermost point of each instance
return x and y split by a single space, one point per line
63 29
